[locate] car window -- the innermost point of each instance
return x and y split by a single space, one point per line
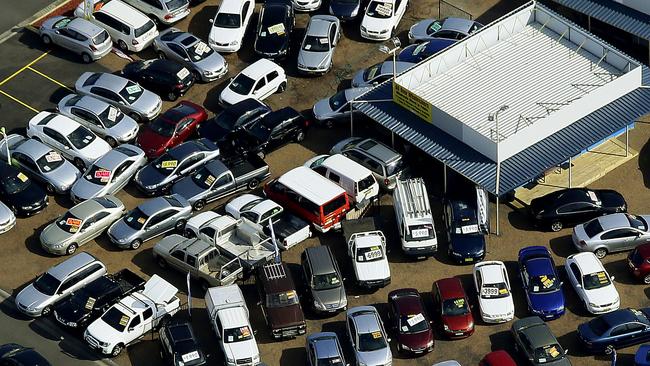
353 330
105 93
209 232
618 234
223 180
245 8
333 33
576 207
635 327
260 84
183 124
191 260
179 254
25 161
621 329
147 314
272 75
178 50
576 271
85 116
135 322
122 168
190 161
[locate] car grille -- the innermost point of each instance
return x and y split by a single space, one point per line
605 305
221 44
92 341
23 307
245 361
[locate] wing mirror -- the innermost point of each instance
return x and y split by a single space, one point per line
210 20
613 277
578 285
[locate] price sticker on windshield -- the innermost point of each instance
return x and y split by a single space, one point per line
194 355
112 113
23 178
245 332
376 335
124 320
373 254
415 319
53 157
209 180
73 222
102 173
420 233
459 303
323 40
277 29
133 89
183 73
385 9
489 291
468 229
503 291
201 48
546 282
592 195
90 303
169 164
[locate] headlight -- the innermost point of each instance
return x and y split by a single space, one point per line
363 29
207 73
180 363
230 360
404 347
58 245
471 325
384 31
445 326
318 305
256 358
234 43
480 252
301 65
593 305
430 344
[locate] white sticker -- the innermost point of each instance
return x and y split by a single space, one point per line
373 254
593 196
308 47
535 288
468 229
201 48
323 40
405 328
262 34
489 291
385 9
112 113
133 89
52 157
190 356
420 233
360 258
230 339
183 73
542 360
415 319
277 29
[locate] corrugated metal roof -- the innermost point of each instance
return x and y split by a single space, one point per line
520 168
613 13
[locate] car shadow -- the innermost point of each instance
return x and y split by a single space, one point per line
621 270
211 101
571 342
520 220
503 341
562 246
200 23
293 356
33 242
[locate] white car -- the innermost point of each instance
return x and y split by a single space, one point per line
74 141
258 81
229 25
306 5
381 19
493 288
592 283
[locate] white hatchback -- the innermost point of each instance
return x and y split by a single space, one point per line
258 81
381 19
229 25
592 283
493 288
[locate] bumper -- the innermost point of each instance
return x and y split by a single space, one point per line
413 351
312 70
218 47
375 36
458 334
306 6
324 229
214 75
26 212
549 315
596 310
96 55
175 17
332 310
55 251
427 251
374 283
31 313
95 345
465 259
498 320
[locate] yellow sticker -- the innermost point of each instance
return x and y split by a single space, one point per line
459 302
503 291
553 352
209 180
124 320
245 332
291 294
141 220
90 303
374 248
73 222
22 177
376 335
168 164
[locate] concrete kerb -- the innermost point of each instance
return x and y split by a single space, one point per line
53 329
25 24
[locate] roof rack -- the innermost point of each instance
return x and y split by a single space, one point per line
413 192
274 271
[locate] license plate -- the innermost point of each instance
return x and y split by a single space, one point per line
418 351
458 334
469 259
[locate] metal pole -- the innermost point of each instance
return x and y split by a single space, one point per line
351 120
496 120
570 174
392 139
4 133
444 178
394 66
627 140
589 23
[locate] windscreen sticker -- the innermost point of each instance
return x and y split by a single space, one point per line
141 220
73 222
190 356
133 89
53 156
415 319
169 164
459 302
183 73
23 178
245 332
323 40
385 9
546 282
405 328
376 335
373 254
102 173
201 48
553 352
489 291
124 320
90 303
112 113
592 195
535 288
262 34
503 291
468 229
420 233
419 49
277 29
230 339
360 258
209 180
308 47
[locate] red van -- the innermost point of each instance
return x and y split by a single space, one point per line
310 196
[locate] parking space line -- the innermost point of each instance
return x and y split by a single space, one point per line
18 101
23 68
50 79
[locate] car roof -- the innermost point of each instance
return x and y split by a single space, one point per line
345 166
264 205
154 205
110 81
185 149
244 106
85 27
325 344
233 317
377 150
162 65
311 185
32 148
408 301
587 262
319 25
216 167
260 68
231 6
539 334
180 331
60 123
450 288
457 24
111 160
321 260
387 67
91 103
86 208
196 247
539 266
274 118
620 316
352 93
125 13
614 221
71 264
491 271
462 209
365 319
276 277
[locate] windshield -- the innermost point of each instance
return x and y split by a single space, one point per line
595 280
637 222
131 92
371 341
593 228
455 307
371 72
548 353
434 27
136 218
419 232
15 183
242 84
199 51
165 164
316 44
161 127
338 100
49 161
282 299
366 183
370 254
47 284
111 116
97 175
326 281
116 319
239 334
81 137
413 323
494 291
227 20
380 9
544 283
62 23
175 4
203 178
250 204
69 223
395 167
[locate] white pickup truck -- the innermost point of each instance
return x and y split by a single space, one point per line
237 237
367 250
133 316
228 315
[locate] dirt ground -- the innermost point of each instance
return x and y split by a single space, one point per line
22 257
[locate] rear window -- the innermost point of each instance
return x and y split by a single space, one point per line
334 205
593 228
144 29
366 183
100 38
175 4
173 201
395 167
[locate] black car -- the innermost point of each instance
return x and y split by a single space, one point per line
274 27
163 77
232 118
180 346
571 206
19 192
619 328
271 131
346 9
90 302
12 354
465 235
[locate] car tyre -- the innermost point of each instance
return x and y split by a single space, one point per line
46 311
111 141
556 226
253 184
198 205
171 96
282 87
188 234
137 243
86 58
646 279
71 249
300 136
122 46
180 225
117 350
79 164
46 39
50 188
162 263
161 55
600 253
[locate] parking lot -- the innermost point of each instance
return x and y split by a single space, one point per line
34 78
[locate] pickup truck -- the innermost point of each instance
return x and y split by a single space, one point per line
228 316
289 229
201 259
220 178
133 316
235 237
367 250
90 302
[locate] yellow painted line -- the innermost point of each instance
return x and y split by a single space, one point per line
18 101
49 78
23 68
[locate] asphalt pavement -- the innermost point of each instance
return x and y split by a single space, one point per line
14 12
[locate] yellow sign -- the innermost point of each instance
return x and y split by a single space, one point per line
409 100
168 164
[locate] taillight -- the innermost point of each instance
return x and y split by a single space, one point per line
583 243
179 86
386 181
307 122
92 47
134 42
168 16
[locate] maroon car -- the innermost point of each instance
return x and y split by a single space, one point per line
410 322
452 305
639 262
497 358
171 128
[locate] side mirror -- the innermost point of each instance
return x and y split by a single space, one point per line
578 285
561 283
566 351
210 20
613 278
131 329
259 303
388 339
57 31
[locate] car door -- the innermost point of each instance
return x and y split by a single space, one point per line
134 330
107 96
247 12
575 212
148 320
58 142
400 9
576 279
156 224
120 177
222 186
65 38
89 229
177 260
633 334
190 164
183 130
352 334
260 90
88 119
619 239
27 164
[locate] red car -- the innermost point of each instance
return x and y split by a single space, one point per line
452 305
639 262
171 128
410 322
497 358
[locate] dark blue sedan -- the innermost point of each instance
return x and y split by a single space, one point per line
642 356
345 9
416 53
541 282
620 328
465 236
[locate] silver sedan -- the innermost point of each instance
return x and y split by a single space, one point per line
378 73
7 218
137 102
109 174
612 233
335 108
193 53
317 49
100 117
154 217
77 35
41 163
81 224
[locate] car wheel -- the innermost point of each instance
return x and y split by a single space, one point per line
71 249
197 76
282 87
600 253
135 116
253 184
171 96
50 188
198 205
111 141
180 225
556 226
161 55
122 45
300 136
79 164
86 58
329 123
162 263
116 350
46 311
136 244
188 234
46 39
646 279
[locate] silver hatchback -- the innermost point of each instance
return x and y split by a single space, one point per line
316 53
612 233
77 35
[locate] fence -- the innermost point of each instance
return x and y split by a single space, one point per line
446 10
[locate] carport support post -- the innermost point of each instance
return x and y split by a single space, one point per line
627 140
4 135
351 119
444 178
570 175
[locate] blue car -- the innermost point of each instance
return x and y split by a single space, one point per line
642 356
416 53
465 236
620 328
541 282
345 9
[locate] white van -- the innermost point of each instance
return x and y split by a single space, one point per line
357 180
163 11
414 219
129 28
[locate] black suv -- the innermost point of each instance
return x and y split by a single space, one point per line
163 77
180 346
233 118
